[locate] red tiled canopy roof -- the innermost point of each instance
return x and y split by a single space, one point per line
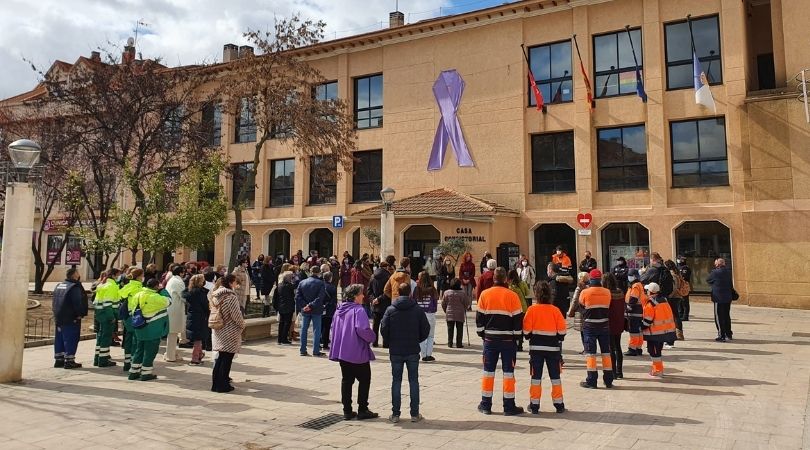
442 201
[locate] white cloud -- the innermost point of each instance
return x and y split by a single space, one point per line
179 31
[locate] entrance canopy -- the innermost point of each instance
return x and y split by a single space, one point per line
442 202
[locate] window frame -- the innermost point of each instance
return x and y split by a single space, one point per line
213 124
283 190
358 110
619 70
698 160
683 62
250 201
321 199
531 103
325 83
624 165
355 182
555 170
239 127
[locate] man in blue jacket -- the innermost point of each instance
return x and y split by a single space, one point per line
69 306
309 301
404 326
720 279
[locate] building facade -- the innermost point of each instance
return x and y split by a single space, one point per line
666 175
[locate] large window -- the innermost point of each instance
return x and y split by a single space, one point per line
245 130
701 243
680 72
622 157
243 175
699 152
282 182
615 68
326 91
551 67
173 127
368 102
212 124
367 179
322 180
553 162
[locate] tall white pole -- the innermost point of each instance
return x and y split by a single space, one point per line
15 265
386 233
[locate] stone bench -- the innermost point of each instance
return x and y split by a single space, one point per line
259 328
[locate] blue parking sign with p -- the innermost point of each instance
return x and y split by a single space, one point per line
337 221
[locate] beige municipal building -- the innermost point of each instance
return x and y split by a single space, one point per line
664 175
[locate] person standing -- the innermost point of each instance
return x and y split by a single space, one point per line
269 280
722 296
675 298
405 326
466 273
485 280
686 274
484 259
620 272
658 327
69 306
446 273
575 310
227 339
455 303
659 274
559 287
106 302
427 298
358 276
430 268
329 308
528 275
520 288
284 304
499 321
133 286
379 301
309 300
562 261
588 263
351 337
635 299
402 275
242 279
615 323
346 265
256 276
154 313
544 327
596 302
177 314
196 298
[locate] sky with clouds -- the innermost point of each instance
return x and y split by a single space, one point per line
178 31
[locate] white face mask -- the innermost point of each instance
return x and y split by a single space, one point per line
559 252
525 263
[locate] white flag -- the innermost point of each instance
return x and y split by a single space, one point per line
703 95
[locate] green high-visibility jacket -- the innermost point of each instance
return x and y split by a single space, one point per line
128 292
154 309
107 295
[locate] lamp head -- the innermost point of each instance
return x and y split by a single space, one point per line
24 153
387 195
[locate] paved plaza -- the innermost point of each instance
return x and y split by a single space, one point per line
749 393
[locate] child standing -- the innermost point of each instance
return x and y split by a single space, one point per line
544 328
658 327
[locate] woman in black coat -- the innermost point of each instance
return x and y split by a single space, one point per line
284 303
197 316
269 279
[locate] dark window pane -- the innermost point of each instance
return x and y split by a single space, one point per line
564 151
242 175
626 50
553 162
607 85
635 177
707 38
540 58
551 67
706 33
634 140
282 182
362 93
684 141
376 91
609 147
680 76
611 179
561 60
368 92
679 46
622 157
367 181
615 66
606 52
712 138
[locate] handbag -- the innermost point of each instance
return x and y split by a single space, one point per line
565 279
215 321
138 320
734 295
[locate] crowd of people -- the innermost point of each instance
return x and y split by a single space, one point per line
382 303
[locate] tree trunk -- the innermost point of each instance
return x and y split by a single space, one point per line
236 238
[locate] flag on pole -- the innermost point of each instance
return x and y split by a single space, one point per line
538 96
703 95
639 82
589 92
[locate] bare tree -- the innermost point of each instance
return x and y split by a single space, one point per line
272 96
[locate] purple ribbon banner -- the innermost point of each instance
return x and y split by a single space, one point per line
448 89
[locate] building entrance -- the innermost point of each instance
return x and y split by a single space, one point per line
420 240
546 238
320 239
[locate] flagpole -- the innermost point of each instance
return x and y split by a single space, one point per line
691 36
635 60
576 44
528 64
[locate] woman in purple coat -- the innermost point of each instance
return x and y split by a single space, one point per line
351 347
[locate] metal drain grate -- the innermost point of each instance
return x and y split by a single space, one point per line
799 334
322 422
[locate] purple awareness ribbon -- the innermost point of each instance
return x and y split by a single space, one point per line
448 89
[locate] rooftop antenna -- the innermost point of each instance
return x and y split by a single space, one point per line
138 24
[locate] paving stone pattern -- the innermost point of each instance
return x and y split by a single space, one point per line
747 394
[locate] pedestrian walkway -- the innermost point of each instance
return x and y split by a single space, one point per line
748 393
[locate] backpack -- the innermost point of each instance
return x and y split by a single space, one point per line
215 321
665 281
138 320
683 287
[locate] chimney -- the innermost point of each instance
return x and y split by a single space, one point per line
396 19
245 50
129 51
230 52
95 56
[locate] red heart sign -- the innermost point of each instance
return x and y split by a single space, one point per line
585 220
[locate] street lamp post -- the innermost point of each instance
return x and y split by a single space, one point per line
387 223
16 260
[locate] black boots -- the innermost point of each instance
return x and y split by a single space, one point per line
71 364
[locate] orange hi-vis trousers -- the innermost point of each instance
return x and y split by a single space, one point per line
552 361
654 348
591 341
506 351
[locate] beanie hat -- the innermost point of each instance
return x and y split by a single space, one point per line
653 288
595 274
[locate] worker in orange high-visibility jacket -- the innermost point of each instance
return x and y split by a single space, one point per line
658 327
595 300
544 327
499 322
635 298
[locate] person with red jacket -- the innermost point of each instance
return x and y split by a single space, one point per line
615 322
466 273
485 280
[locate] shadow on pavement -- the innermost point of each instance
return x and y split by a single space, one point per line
715 381
621 418
663 388
736 351
467 425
